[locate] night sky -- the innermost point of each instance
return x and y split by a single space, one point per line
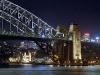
85 13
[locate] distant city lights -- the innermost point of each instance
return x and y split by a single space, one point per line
86 38
87 34
97 38
92 40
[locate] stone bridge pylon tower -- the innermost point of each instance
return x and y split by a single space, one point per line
69 49
75 31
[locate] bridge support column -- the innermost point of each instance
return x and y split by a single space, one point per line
68 52
75 30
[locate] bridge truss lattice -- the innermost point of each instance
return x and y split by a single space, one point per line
23 23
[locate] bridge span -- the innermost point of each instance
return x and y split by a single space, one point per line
16 23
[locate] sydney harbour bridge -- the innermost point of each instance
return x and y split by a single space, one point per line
16 23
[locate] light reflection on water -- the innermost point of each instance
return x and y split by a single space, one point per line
50 70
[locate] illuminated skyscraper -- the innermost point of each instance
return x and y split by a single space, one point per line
86 37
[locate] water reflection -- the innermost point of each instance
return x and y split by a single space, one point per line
65 65
69 66
28 69
58 65
51 65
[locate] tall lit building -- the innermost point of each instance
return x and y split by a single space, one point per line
86 37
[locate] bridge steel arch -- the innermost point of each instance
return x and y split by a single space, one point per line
28 26
26 23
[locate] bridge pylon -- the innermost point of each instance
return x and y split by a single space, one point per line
75 31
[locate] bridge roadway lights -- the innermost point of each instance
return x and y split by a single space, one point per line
9 37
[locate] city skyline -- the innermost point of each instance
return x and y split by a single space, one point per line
85 13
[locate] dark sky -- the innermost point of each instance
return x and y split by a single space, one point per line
86 13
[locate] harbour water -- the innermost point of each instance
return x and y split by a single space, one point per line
28 69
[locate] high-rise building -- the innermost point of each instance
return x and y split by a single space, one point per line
86 37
